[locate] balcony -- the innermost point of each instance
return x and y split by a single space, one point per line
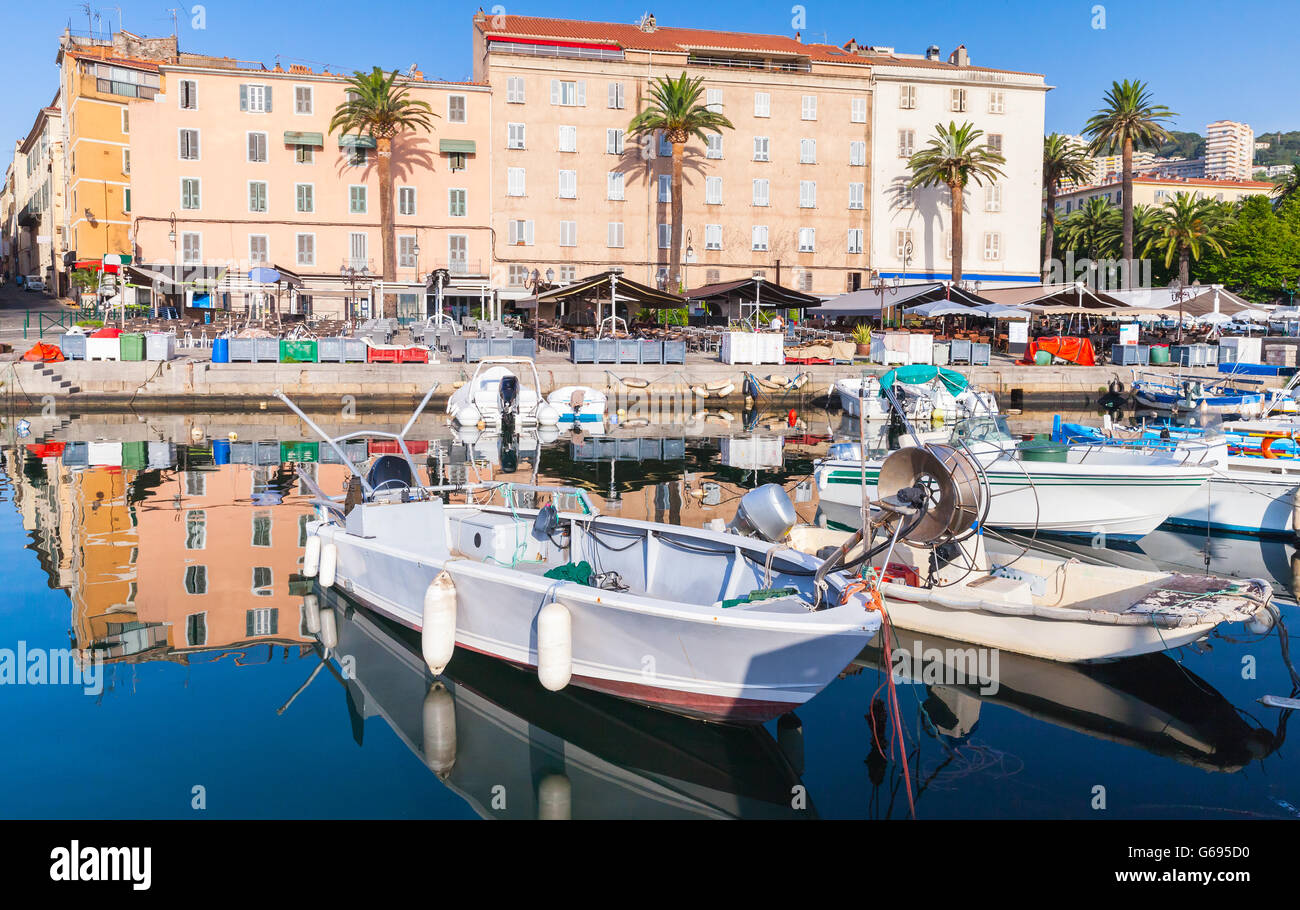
552 50
751 63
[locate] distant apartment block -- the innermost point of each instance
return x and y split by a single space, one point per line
1229 150
1156 191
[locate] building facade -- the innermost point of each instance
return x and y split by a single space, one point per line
1156 191
1229 150
39 222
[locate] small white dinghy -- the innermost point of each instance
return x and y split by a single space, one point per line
578 404
702 623
924 392
495 393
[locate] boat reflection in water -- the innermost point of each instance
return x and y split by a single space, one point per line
1151 702
484 726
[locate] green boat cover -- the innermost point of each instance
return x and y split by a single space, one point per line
919 374
580 572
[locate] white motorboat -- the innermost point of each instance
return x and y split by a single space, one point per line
698 622
494 394
936 577
1093 490
578 404
925 393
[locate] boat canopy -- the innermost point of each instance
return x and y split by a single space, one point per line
919 374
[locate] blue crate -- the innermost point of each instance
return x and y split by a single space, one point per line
73 346
1130 354
959 351
606 350
627 350
674 352
241 349
674 449
652 352
980 354
76 455
582 350
523 347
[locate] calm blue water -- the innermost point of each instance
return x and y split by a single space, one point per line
177 569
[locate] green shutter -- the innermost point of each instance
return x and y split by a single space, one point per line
127 206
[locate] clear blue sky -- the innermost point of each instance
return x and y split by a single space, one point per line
1205 59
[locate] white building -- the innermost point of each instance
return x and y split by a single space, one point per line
1229 150
910 232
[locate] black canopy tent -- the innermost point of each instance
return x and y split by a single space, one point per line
593 294
720 298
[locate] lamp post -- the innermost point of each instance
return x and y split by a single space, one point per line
880 286
686 271
1290 291
351 276
1179 292
439 277
171 233
537 283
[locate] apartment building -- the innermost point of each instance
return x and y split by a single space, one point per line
39 222
1156 191
7 222
243 172
1229 150
1103 167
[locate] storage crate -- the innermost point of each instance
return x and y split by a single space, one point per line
73 346
606 350
413 354
582 350
673 449
354 449
300 451
940 351
131 346
339 349
628 350
652 352
959 351
299 350
161 454
382 355
266 350
477 348
104 454
75 455
241 350
674 352
523 347
103 348
1193 355
1130 354
135 455
980 354
160 346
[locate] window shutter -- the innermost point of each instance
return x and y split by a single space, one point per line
267 89
555 91
243 97
582 93
528 232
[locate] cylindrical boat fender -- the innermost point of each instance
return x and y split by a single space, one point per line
329 628
468 416
329 564
554 646
439 720
635 382
438 631
636 422
554 798
311 613
311 556
547 415
1262 622
719 384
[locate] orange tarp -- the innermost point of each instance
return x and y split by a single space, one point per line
1075 350
43 353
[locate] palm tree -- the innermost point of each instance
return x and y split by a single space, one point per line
953 158
1093 229
376 106
1185 226
674 109
1289 188
1129 120
1063 159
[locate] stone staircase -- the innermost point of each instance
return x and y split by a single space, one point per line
53 380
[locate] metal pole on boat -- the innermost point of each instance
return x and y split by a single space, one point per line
328 439
862 444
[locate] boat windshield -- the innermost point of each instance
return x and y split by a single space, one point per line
985 428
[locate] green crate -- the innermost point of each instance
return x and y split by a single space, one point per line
299 350
132 346
135 455
302 452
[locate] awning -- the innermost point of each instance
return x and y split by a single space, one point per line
597 289
751 290
456 146
293 137
357 142
919 374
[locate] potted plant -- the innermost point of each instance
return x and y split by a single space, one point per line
862 337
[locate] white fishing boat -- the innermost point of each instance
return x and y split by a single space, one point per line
697 622
1192 393
925 393
578 404
1093 490
936 577
494 394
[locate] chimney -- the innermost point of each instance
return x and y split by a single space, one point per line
959 57
648 23
798 37
932 52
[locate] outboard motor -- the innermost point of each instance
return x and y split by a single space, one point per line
766 513
508 401
390 472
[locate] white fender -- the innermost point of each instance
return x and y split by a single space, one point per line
311 557
439 718
329 628
329 564
547 415
554 646
555 798
438 632
311 613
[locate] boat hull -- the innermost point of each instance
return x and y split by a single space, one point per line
1242 505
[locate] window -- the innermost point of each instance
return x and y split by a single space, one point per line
858 110
805 280
406 251
357 199
255 98
126 202
807 240
568 139
997 102
258 251
518 275
457 203
665 188
762 148
521 233
713 100
189 145
855 240
713 236
189 93
515 90
189 192
807 194
358 258
762 104
958 100
126 120
713 191
857 154
614 235
665 147
406 200
665 236
191 248
306 244
196 529
514 135
759 238
995 142
992 246
196 630
356 156
515 181
613 142
455 108
196 483
257 195
906 143
458 254
304 197
302 99
126 161
712 276
713 144
993 198
857 195
907 97
903 244
807 151
614 186
257 147
808 108
569 94
196 579
304 154
568 184
906 195
761 195
616 95
568 233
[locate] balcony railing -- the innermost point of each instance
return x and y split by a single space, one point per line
751 63
550 50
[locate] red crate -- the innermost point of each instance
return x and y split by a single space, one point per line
382 355
413 355
390 447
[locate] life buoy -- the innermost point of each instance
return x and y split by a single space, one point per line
1266 446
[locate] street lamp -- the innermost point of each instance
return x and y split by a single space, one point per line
690 257
880 286
351 276
171 234
1179 292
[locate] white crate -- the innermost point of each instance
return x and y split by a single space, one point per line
103 348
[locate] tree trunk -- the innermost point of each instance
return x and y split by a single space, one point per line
1127 189
675 242
1049 234
1184 266
386 226
958 193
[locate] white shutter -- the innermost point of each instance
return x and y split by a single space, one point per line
581 100
528 232
614 234
713 190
